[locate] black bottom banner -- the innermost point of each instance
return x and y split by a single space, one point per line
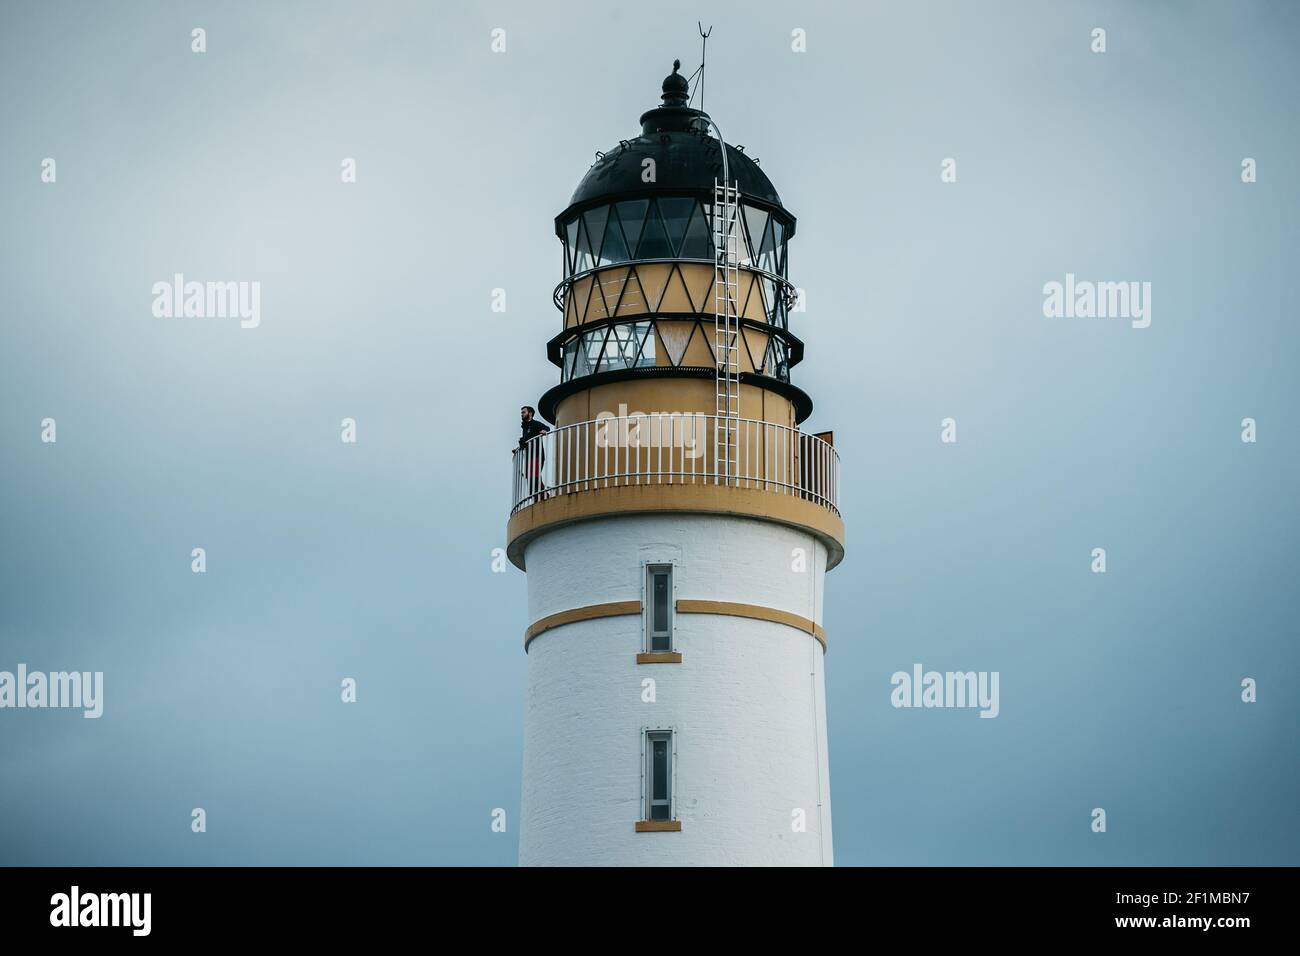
210 905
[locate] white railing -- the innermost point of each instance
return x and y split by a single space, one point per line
673 449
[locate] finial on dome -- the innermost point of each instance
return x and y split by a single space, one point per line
676 90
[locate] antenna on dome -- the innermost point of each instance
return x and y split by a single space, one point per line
704 49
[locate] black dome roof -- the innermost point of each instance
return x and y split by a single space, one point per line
687 160
683 161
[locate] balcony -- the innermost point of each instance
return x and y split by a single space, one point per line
674 462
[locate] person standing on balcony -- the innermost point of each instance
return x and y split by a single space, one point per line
529 428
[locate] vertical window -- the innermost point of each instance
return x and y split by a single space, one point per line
646 332
658 775
659 591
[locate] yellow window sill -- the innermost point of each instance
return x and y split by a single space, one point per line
658 826
659 657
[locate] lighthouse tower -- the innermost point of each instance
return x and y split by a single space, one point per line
675 525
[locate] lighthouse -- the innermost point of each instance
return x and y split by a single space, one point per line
676 524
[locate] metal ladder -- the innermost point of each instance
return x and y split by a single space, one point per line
726 329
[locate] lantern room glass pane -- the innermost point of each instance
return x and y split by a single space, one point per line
776 364
654 241
571 244
632 215
767 238
698 244
570 354
676 212
582 261
767 252
756 222
624 345
645 331
621 348
613 249
593 344
595 223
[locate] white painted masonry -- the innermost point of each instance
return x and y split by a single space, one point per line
747 703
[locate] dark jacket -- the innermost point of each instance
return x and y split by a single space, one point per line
530 429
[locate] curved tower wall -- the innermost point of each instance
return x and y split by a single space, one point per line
746 703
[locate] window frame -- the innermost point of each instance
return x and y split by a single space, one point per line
648 570
648 736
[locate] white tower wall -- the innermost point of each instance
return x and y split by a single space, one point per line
746 705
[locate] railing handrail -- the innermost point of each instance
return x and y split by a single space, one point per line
673 448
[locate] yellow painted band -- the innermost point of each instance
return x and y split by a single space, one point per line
754 612
588 613
728 608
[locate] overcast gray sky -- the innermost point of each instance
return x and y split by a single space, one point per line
925 300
